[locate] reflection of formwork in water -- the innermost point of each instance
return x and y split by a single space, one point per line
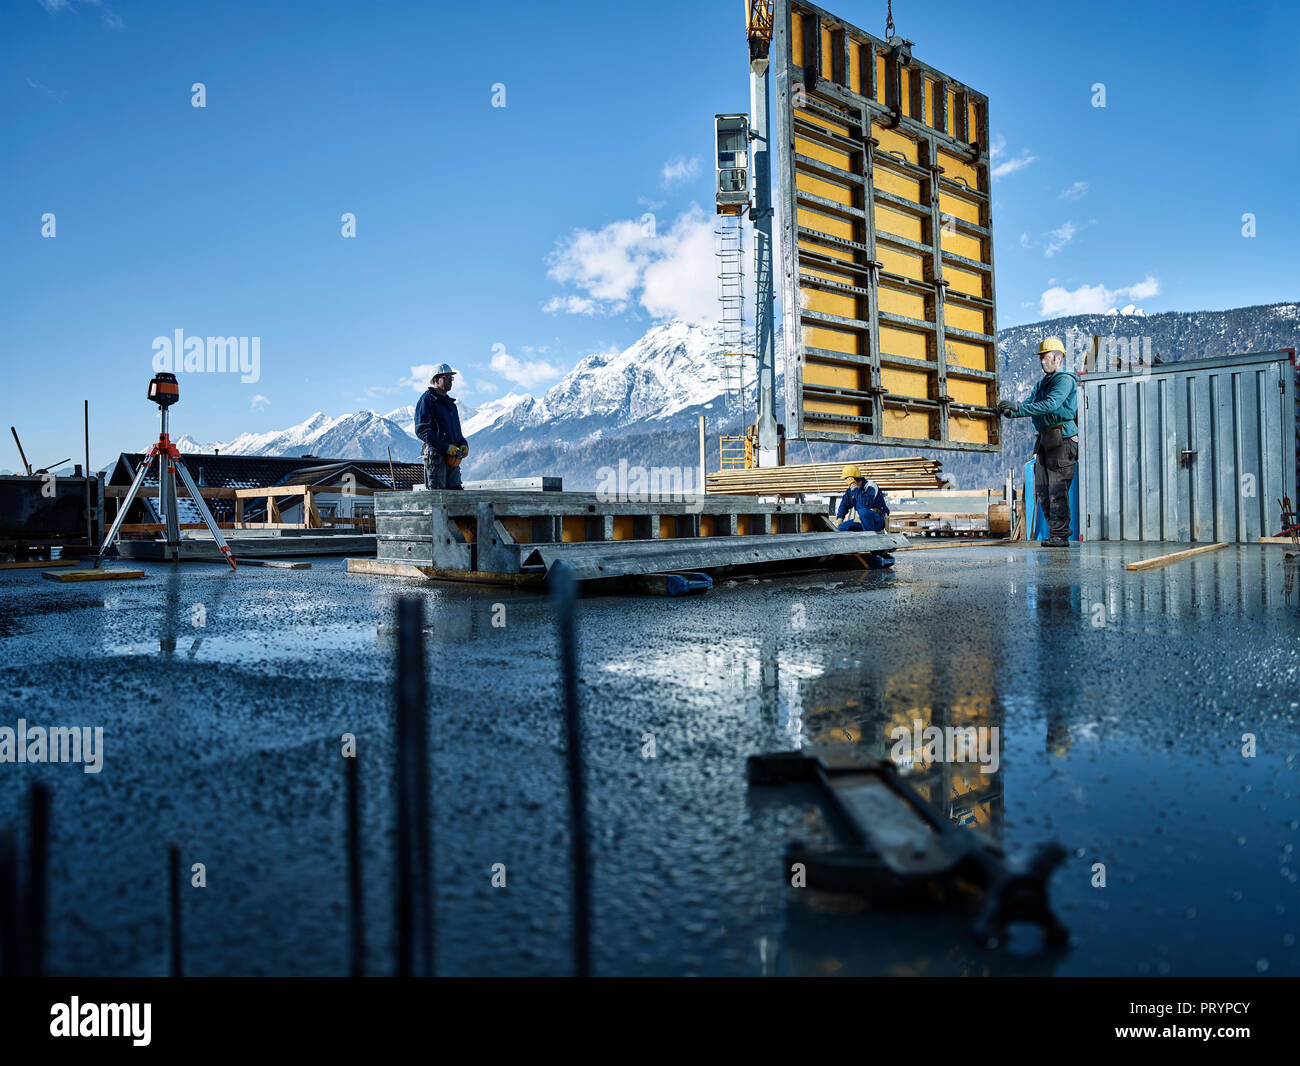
517 537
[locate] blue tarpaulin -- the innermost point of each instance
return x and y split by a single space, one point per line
1036 522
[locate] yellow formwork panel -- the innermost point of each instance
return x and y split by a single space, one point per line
855 67
835 376
967 281
959 208
880 78
900 225
825 123
706 525
969 430
623 527
828 190
827 275
850 342
901 382
468 528
835 227
968 353
847 255
900 185
906 342
900 302
895 143
951 123
667 527
963 245
971 319
829 303
960 171
828 54
573 528
964 390
822 153
796 39
905 78
903 262
914 425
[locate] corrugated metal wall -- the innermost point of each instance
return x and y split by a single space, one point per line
1198 451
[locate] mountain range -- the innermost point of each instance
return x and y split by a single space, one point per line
643 404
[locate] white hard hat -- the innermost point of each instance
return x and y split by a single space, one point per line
440 370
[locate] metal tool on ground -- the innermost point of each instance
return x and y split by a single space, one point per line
673 584
906 852
165 391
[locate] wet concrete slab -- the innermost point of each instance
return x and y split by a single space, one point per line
1121 702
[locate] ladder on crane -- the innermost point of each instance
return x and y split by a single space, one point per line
731 292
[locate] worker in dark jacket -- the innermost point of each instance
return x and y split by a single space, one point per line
865 499
437 424
1054 407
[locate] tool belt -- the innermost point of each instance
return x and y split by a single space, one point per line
1051 437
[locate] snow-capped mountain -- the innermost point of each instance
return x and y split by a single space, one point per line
642 404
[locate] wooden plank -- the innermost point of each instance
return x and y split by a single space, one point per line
34 564
283 564
1278 540
386 568
1175 557
91 575
963 542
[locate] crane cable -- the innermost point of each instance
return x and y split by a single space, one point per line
889 21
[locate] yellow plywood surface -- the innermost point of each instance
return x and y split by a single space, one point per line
968 430
796 40
972 319
824 123
836 376
959 170
855 68
828 53
901 261
829 303
828 190
895 143
968 353
908 188
851 342
822 153
912 424
899 302
827 274
815 220
959 208
963 245
962 280
908 342
880 78
890 221
906 382
847 255
966 390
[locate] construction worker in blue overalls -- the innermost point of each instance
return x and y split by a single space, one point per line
865 500
1053 408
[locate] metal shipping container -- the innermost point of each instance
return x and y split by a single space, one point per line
884 203
1195 451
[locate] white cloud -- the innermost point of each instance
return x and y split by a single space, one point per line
998 150
1093 299
1061 236
525 374
680 169
259 402
670 273
1077 191
1025 242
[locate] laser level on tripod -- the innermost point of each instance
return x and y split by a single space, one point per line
164 390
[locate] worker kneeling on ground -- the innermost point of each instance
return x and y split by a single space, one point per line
437 424
865 499
1054 406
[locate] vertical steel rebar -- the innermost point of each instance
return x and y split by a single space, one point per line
564 592
356 897
174 893
10 964
415 910
38 846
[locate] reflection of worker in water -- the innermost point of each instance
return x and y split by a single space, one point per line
865 499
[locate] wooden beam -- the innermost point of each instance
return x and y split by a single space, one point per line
1175 557
34 564
151 491
91 575
283 564
1278 540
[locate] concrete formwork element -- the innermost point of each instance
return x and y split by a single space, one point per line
516 536
885 208
1191 451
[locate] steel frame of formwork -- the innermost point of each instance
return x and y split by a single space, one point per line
835 101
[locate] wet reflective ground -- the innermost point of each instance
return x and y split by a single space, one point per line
1121 702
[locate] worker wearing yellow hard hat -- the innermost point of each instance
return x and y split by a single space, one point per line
864 498
1053 408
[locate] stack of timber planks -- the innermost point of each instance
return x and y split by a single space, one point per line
823 479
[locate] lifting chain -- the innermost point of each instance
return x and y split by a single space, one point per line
889 21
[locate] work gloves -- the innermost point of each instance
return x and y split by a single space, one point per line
1005 408
458 451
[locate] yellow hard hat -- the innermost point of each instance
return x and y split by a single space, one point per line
1051 344
850 472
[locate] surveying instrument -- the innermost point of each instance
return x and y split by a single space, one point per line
165 391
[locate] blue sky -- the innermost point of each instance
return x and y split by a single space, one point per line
512 241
